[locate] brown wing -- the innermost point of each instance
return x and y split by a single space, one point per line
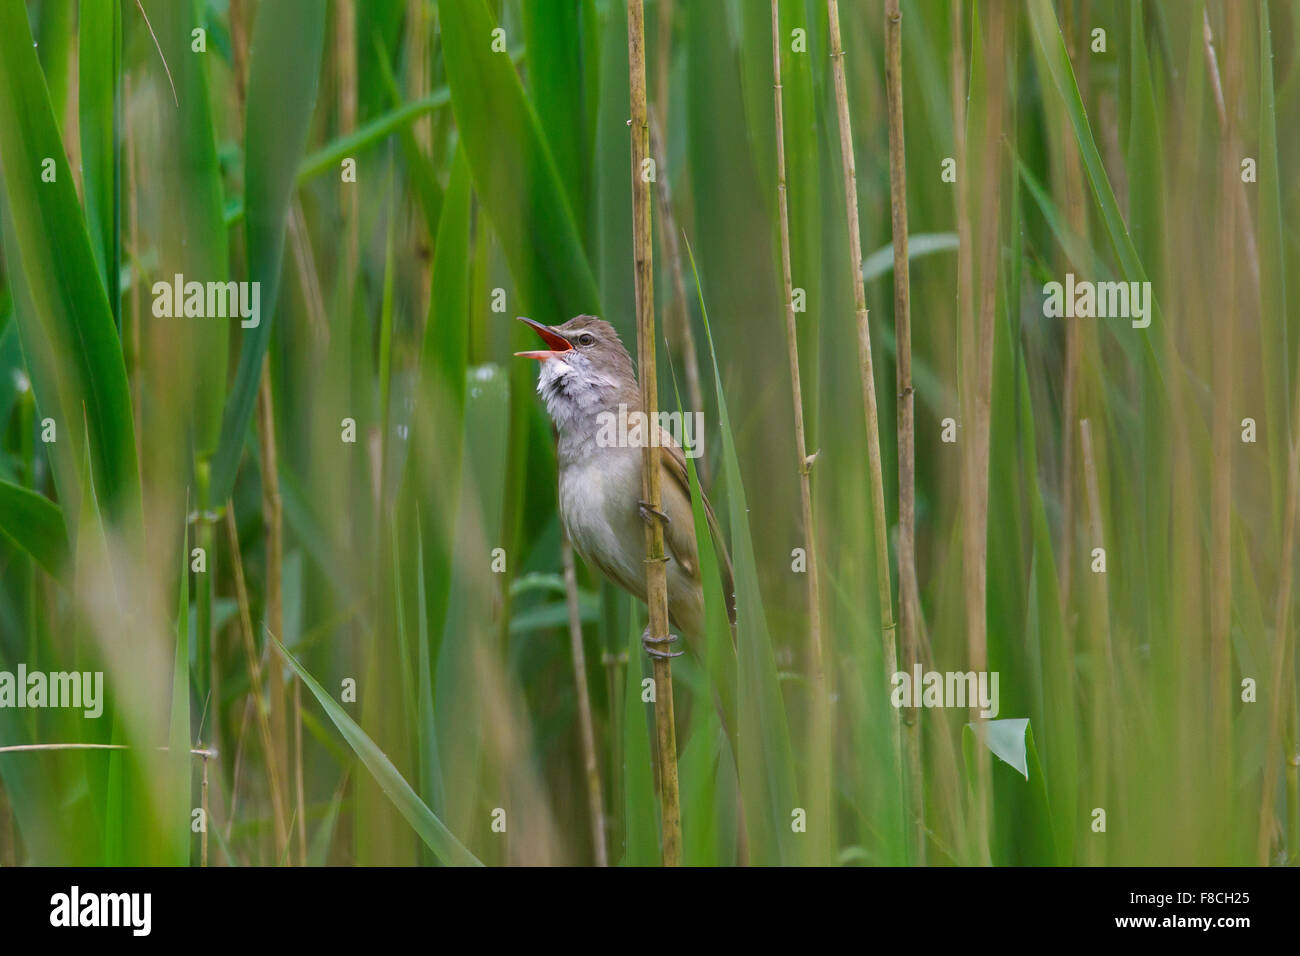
681 541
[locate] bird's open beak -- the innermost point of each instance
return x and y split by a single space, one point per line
557 342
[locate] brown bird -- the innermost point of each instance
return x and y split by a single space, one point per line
586 376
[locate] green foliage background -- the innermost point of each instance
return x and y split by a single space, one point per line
493 179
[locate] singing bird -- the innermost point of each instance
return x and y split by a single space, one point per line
585 372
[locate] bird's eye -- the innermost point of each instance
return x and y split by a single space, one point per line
586 338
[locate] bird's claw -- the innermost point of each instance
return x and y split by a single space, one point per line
648 643
646 511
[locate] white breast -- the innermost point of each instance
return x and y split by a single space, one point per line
600 514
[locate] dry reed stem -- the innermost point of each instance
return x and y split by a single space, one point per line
884 590
300 787
591 766
203 752
203 840
677 323
346 53
965 264
237 772
1228 131
656 569
205 587
977 349
419 26
309 283
239 52
274 769
308 275
908 602
272 512
417 33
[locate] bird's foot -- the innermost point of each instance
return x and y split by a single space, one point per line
649 643
647 511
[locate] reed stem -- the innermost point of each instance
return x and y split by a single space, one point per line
656 562
274 768
203 839
678 320
908 595
1222 102
884 589
349 199
272 511
977 325
205 651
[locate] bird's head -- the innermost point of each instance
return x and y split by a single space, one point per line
585 369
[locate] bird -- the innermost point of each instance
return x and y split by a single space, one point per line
586 374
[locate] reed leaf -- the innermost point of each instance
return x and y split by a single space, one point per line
514 172
281 96
422 820
99 46
765 757
195 240
34 524
71 315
